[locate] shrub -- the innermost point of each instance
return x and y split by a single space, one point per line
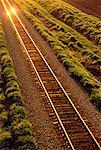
22 134
96 97
2 98
1 107
21 125
1 84
4 118
14 97
5 139
22 129
16 113
8 74
3 51
6 59
25 142
2 43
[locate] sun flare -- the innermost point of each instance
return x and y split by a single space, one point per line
13 10
8 13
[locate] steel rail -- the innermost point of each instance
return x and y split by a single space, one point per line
53 76
39 78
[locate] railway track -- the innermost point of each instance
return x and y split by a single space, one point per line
72 128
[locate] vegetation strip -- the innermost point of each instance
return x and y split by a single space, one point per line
88 54
15 129
88 25
70 61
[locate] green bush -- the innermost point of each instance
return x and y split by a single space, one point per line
1 83
12 83
2 42
4 118
6 59
21 125
22 134
16 113
25 142
6 65
2 98
23 128
14 97
1 107
89 83
5 139
96 97
28 146
8 74
3 51
11 89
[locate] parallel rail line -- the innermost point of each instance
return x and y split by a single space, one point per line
76 131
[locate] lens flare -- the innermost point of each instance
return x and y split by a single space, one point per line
8 13
13 10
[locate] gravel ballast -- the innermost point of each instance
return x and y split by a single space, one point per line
43 129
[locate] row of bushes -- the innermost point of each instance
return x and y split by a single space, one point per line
75 68
15 129
88 25
5 135
53 24
88 54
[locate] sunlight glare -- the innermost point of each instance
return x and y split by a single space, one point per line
8 13
13 10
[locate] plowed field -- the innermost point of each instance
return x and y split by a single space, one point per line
92 7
